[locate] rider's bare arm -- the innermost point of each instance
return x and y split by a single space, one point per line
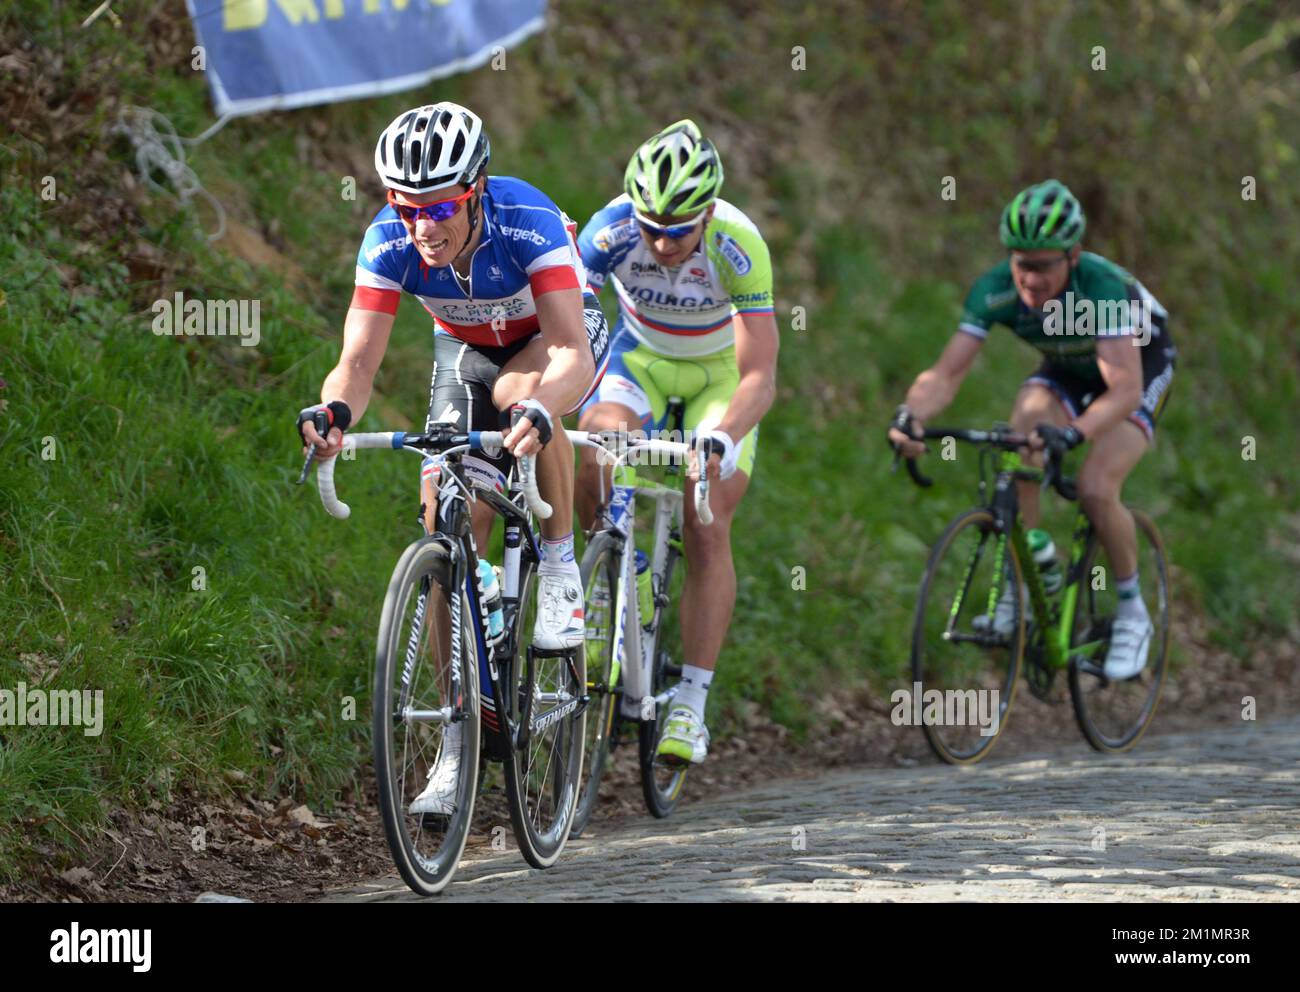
757 343
937 386
365 339
569 370
1121 367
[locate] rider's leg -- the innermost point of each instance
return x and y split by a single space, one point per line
628 399
1035 404
709 593
460 394
560 621
518 381
598 416
1112 455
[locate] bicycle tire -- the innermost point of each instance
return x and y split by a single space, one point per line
542 817
1091 695
927 671
661 785
599 562
424 567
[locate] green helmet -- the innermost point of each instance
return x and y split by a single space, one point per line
1043 216
676 172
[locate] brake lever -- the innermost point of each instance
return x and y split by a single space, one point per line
320 420
306 466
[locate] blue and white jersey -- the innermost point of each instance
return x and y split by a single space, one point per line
528 248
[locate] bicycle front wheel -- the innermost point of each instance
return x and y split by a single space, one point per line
426 714
544 768
662 783
600 587
965 662
1114 715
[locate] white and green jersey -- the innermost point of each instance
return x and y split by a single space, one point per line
685 311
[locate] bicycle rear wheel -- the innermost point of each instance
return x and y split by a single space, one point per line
662 783
1114 715
419 693
544 767
600 586
974 671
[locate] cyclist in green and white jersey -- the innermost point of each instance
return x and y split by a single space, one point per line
1107 364
694 284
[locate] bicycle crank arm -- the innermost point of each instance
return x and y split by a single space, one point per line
983 640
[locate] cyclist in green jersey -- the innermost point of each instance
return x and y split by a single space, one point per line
1107 364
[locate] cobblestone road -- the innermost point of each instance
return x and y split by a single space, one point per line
1213 816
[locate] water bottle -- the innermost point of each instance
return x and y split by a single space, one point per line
1044 552
490 589
644 589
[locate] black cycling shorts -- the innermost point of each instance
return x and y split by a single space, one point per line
460 391
1077 394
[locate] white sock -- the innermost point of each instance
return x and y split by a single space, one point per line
558 555
693 690
1131 604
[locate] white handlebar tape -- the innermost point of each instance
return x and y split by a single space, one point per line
528 483
334 506
325 483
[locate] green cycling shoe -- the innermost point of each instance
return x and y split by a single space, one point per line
685 739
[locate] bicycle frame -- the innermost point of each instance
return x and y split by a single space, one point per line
634 635
455 493
1005 508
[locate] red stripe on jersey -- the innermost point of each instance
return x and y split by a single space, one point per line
378 300
486 335
683 331
550 279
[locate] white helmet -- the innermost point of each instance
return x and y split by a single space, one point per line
429 147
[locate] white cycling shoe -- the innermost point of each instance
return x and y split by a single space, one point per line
439 796
560 625
1130 642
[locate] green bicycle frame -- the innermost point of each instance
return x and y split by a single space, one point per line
1056 639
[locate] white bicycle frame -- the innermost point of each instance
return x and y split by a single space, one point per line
634 645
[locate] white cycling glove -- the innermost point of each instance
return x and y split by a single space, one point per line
720 441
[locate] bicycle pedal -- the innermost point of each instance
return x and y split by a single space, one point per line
537 652
434 823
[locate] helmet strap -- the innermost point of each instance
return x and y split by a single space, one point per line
476 199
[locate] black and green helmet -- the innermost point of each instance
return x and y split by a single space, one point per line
1046 215
676 172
